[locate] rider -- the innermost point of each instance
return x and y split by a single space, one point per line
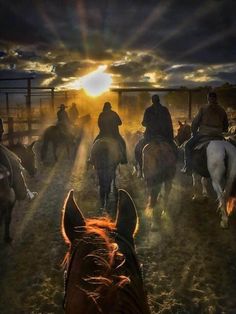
158 123
108 123
73 113
211 121
9 160
63 119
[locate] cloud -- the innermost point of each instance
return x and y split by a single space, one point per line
138 40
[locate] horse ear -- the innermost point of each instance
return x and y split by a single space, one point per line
72 218
126 219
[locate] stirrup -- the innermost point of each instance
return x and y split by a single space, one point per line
31 195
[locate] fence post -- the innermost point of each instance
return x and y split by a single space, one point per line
28 106
10 123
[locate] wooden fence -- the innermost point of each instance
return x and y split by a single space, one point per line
12 134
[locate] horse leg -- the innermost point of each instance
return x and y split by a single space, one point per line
8 213
168 186
195 181
154 190
216 168
204 187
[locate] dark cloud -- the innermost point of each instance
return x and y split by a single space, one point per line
64 33
227 76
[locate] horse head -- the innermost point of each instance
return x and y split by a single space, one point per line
103 274
183 133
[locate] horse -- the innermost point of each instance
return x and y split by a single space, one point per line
105 156
218 163
7 170
158 167
56 136
102 274
183 133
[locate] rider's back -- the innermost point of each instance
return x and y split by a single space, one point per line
109 122
213 120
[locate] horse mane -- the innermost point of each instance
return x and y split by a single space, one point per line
100 261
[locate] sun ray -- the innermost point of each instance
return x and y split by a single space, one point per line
151 19
202 11
82 24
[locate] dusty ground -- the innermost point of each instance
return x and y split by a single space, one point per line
189 262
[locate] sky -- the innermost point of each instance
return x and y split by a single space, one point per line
159 43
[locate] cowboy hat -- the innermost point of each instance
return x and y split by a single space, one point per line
62 106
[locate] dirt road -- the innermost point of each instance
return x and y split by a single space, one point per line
188 261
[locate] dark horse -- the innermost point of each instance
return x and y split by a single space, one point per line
54 135
105 156
103 274
156 162
9 180
159 165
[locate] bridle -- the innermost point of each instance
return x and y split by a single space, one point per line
118 239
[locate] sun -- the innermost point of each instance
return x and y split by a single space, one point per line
96 82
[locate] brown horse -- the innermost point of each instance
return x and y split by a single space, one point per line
12 185
102 271
183 133
57 137
105 156
159 165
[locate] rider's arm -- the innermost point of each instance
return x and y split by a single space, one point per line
225 123
169 125
145 119
196 122
100 121
118 119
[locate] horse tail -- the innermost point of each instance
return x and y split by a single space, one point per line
230 184
230 192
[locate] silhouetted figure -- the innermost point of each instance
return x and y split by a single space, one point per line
1 129
73 113
157 121
210 122
108 123
63 120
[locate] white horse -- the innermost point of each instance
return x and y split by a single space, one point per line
221 164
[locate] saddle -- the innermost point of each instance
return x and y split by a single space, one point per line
205 140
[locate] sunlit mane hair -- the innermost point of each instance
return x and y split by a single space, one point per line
100 261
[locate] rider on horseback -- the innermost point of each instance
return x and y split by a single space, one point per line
210 122
73 113
16 179
158 123
108 123
63 120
